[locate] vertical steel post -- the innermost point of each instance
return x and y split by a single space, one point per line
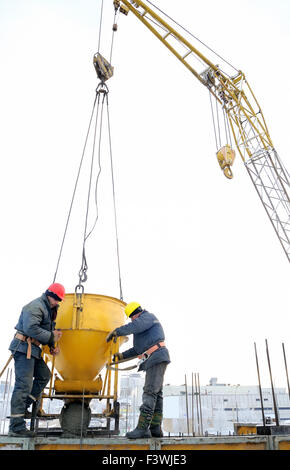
260 389
186 397
197 410
286 368
272 386
192 404
200 409
82 418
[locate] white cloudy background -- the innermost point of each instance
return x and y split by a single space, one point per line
196 249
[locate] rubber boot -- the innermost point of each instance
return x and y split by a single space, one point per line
142 430
155 426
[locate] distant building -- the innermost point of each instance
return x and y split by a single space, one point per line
221 406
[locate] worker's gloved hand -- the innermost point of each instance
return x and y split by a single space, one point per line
54 351
112 335
117 357
57 335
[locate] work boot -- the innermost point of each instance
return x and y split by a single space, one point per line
22 433
142 430
155 426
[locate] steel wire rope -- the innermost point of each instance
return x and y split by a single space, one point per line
114 200
99 172
81 162
188 32
100 27
113 35
226 128
218 123
74 190
84 265
105 96
229 129
111 162
213 120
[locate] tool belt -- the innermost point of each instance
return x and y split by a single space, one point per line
151 350
29 341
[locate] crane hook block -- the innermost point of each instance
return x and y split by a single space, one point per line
123 8
103 68
226 156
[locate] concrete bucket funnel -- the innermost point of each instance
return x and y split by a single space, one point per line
83 347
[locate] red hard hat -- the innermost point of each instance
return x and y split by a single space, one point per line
57 289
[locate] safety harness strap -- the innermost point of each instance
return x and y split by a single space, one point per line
29 341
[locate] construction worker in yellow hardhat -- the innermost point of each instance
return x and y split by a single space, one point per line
148 343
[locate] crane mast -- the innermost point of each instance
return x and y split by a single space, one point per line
243 112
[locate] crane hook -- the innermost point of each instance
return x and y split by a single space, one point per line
226 156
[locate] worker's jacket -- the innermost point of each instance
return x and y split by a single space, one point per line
37 321
147 331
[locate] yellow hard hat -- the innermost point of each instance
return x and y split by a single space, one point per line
131 307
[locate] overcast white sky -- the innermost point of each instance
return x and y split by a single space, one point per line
196 249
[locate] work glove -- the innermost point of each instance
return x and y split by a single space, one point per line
112 335
54 351
117 357
57 335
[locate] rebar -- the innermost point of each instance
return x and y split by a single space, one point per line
260 389
272 386
286 368
192 405
186 398
200 409
197 410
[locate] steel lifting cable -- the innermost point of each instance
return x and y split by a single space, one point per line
113 33
218 123
84 266
74 191
100 27
102 88
213 120
82 273
228 127
105 91
114 199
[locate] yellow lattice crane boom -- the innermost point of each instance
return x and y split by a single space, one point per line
243 114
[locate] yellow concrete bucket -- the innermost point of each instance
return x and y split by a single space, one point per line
85 321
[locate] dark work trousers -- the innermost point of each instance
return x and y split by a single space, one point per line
26 390
152 399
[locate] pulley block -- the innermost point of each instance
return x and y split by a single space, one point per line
103 68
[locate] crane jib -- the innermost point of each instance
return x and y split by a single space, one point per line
243 115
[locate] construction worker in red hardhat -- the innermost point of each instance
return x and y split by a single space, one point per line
36 326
